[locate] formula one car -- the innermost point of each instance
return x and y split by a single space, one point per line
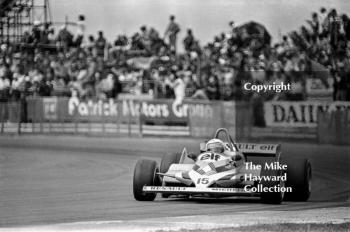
224 168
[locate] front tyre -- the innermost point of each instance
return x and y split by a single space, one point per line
145 175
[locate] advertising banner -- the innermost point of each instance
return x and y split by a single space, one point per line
316 89
153 111
90 110
299 113
50 108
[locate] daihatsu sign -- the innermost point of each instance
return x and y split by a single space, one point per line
298 114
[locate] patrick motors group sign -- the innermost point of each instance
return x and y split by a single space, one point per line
167 110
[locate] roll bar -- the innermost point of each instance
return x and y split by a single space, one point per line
228 138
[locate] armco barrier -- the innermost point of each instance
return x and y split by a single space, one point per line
244 120
204 122
334 127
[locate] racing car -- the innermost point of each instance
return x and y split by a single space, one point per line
224 168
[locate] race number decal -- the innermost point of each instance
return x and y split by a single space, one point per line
203 180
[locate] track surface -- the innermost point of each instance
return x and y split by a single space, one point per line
56 179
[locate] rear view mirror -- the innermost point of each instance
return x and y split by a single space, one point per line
202 147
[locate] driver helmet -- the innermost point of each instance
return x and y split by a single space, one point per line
215 145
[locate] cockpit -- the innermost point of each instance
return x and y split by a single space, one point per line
223 135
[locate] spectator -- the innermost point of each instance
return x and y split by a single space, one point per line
117 87
315 26
232 26
59 87
189 41
171 32
178 85
36 32
64 38
334 29
45 34
200 94
216 70
4 88
323 19
346 24
190 85
145 38
213 88
100 45
90 45
108 85
342 81
79 40
156 42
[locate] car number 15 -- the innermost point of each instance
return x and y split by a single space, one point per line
203 180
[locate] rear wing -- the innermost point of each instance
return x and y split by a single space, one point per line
262 150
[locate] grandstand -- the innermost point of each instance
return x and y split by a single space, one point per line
18 16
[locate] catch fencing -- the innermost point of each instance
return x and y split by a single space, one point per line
334 127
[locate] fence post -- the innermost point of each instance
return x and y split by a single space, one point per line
2 116
41 118
129 124
61 119
118 123
19 103
50 129
34 115
119 113
75 125
90 126
103 123
140 124
189 123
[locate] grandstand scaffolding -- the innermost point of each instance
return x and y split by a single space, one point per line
18 16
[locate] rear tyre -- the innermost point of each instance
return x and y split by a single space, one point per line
299 176
145 175
167 160
271 197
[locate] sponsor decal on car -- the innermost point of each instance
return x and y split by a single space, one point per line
193 189
160 188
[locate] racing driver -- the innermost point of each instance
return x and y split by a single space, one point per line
218 146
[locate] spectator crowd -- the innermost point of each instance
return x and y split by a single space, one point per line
46 63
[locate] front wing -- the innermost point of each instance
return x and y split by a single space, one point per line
198 191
